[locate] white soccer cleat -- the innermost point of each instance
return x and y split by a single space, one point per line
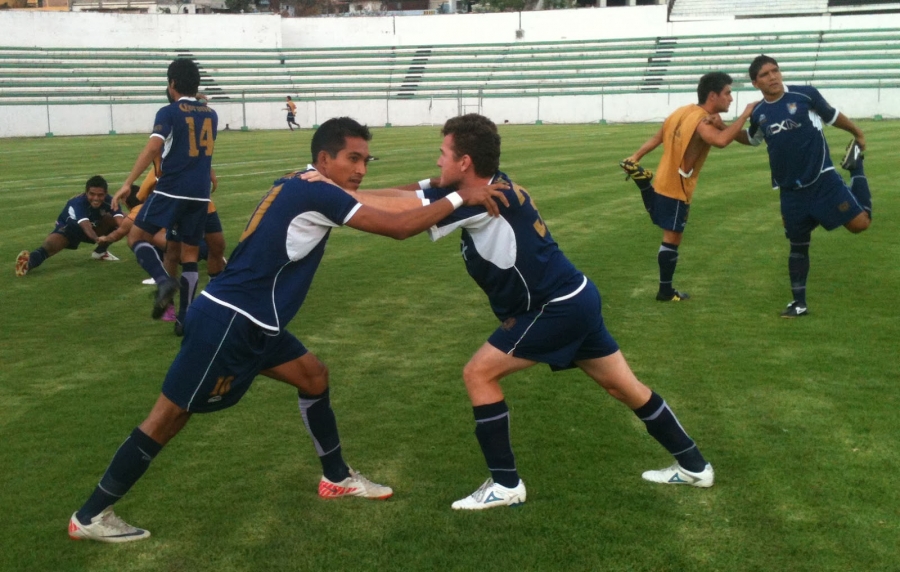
105 527
677 475
148 282
355 485
108 256
491 494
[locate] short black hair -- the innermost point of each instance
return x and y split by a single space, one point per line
476 136
132 199
332 135
757 64
713 82
96 181
186 76
289 98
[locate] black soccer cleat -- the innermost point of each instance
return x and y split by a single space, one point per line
635 172
165 293
179 328
852 156
795 310
674 296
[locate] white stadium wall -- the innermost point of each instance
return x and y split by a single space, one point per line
31 29
80 29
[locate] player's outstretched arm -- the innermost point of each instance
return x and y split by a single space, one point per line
409 223
648 146
845 123
408 201
151 150
723 137
88 230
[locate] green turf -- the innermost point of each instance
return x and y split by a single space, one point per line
798 417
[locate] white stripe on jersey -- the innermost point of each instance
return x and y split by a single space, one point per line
493 237
305 232
572 293
182 197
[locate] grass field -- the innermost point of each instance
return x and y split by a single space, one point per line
798 416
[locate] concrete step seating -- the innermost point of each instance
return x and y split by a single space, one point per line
846 58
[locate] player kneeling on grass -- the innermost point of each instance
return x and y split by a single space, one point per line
87 217
548 312
235 329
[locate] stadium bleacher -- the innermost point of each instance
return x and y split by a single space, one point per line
700 9
842 58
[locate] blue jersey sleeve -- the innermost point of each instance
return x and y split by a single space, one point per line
162 124
331 201
78 209
107 204
818 104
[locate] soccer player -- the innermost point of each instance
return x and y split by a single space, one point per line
87 217
790 120
548 312
184 134
235 329
686 136
211 246
291 111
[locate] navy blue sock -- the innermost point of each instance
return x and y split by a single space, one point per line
37 257
798 269
663 426
648 195
492 431
318 417
667 257
127 466
150 261
859 187
189 278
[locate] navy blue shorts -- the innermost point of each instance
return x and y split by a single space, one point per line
221 354
183 219
559 333
73 233
669 214
213 223
827 202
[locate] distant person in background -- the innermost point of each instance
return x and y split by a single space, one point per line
790 119
87 217
291 112
686 136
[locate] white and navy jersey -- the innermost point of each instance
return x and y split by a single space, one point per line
792 128
188 128
270 271
79 209
512 257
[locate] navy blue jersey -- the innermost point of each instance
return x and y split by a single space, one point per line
79 208
512 257
792 130
270 271
189 129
